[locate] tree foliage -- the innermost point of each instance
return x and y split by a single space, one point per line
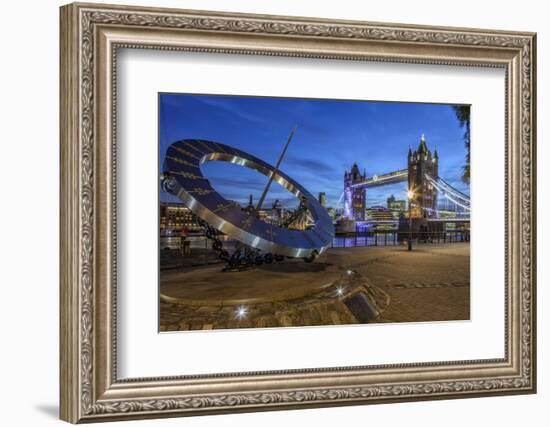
463 115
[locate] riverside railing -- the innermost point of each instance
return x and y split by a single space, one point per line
394 238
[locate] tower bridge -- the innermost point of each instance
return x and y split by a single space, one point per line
424 184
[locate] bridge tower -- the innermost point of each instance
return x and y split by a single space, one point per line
355 199
422 162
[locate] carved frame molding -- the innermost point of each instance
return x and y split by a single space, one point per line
90 37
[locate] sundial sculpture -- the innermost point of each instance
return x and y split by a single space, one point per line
260 241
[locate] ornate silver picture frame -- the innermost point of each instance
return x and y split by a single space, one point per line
91 36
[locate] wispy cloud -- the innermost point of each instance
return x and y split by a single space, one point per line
236 183
310 164
220 104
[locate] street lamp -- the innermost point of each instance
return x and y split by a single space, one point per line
410 195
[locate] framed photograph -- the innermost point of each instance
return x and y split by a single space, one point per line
306 248
266 212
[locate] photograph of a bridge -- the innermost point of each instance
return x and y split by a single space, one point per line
277 212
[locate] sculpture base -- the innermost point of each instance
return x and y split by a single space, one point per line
289 293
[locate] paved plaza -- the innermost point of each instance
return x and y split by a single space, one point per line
344 286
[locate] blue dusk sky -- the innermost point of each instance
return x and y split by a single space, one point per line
331 136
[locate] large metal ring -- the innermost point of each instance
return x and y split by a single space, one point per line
183 178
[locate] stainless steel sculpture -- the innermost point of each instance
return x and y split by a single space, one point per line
182 177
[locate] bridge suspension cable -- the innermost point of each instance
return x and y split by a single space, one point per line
449 192
457 193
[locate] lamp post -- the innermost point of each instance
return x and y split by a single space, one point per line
410 195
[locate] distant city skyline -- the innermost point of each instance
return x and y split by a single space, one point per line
332 135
